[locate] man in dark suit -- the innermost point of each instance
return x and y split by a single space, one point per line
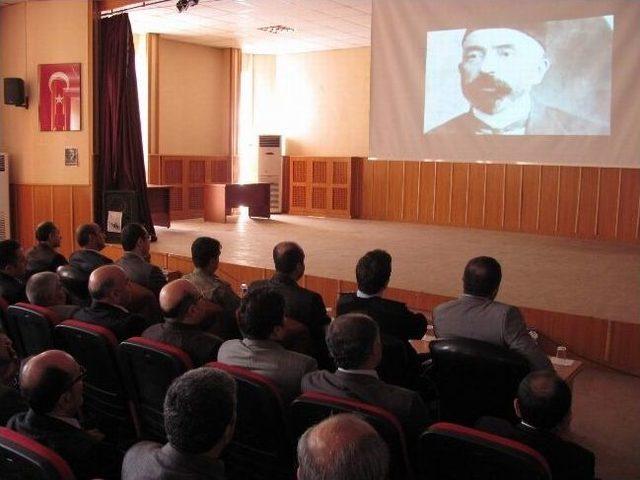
51 382
43 257
184 311
261 317
45 290
543 405
10 400
136 243
476 314
301 305
91 240
12 269
109 289
199 418
354 343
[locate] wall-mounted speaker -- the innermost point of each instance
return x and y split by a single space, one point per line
14 92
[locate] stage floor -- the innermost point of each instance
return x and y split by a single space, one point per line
581 277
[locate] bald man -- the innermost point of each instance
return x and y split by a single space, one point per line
110 291
51 383
301 305
342 447
184 310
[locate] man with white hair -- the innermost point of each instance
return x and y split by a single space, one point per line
45 290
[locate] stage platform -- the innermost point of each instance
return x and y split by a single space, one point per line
579 277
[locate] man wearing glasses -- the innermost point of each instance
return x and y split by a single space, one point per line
51 383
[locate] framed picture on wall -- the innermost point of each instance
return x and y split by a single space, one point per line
60 94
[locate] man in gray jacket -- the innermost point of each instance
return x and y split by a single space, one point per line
476 314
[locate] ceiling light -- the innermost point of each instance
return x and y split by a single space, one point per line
275 29
182 5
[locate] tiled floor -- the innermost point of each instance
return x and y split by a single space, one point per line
582 277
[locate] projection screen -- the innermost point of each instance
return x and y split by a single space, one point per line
532 81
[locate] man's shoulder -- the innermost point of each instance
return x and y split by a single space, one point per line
458 124
137 454
547 120
143 448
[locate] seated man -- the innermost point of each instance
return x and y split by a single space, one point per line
543 404
205 254
260 318
342 446
354 343
12 269
10 400
91 240
45 290
51 383
476 314
43 256
301 305
135 260
184 312
109 289
199 418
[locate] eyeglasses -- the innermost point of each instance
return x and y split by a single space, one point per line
81 375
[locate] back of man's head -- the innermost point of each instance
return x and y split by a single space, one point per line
131 234
261 310
176 297
103 280
199 410
482 277
203 250
8 253
342 447
544 399
44 231
373 271
45 289
287 256
85 234
351 339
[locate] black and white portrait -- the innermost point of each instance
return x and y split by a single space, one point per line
551 78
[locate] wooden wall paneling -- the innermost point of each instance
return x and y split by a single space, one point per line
355 183
476 206
367 188
548 204
286 183
494 196
399 295
427 192
629 204
426 302
568 201
380 189
411 184
395 194
608 203
63 216
459 193
625 338
442 208
530 198
42 204
23 215
513 197
82 209
588 202
153 170
179 263
328 288
158 258
239 274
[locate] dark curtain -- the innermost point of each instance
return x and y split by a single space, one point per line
121 162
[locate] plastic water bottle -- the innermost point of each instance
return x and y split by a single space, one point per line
243 289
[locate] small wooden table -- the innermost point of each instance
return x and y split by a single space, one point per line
220 198
566 372
159 197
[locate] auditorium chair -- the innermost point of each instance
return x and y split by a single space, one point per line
261 447
400 364
22 458
105 400
475 379
454 452
312 407
31 328
76 283
148 367
4 305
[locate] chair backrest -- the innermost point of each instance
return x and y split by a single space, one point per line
22 458
94 347
453 452
400 364
76 283
475 379
31 328
261 447
148 368
312 407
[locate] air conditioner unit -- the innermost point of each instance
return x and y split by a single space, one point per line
5 212
270 167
